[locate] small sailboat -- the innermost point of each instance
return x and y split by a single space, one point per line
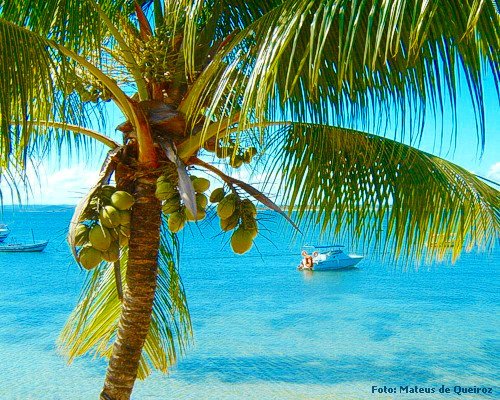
36 246
27 248
325 258
4 232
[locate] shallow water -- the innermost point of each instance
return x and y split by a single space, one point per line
262 329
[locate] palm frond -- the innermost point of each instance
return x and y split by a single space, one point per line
92 327
347 62
376 189
74 24
38 85
209 23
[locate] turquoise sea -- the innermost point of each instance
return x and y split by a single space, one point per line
264 330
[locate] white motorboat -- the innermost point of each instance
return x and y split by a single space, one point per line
4 232
325 258
24 248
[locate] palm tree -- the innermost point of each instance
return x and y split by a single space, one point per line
296 82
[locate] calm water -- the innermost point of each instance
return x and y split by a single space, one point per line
262 329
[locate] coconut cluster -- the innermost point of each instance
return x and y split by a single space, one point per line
238 215
107 230
227 148
172 205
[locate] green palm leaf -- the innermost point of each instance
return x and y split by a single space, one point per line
359 182
75 24
343 62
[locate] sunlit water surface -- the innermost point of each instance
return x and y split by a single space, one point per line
262 329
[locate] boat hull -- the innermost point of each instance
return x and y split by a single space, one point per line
23 248
4 232
333 263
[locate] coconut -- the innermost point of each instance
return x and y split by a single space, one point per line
248 154
113 253
115 233
217 195
99 237
248 208
249 224
122 240
201 200
122 200
124 217
106 192
236 161
176 221
241 241
81 234
109 217
172 205
201 185
227 206
165 190
229 223
89 257
200 214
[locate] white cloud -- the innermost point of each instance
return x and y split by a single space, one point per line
494 172
63 186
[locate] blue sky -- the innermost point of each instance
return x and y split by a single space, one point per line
64 182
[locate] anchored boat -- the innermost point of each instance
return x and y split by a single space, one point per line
325 258
4 232
27 248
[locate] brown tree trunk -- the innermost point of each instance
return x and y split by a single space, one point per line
139 292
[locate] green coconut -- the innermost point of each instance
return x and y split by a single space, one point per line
201 185
99 237
165 190
81 234
176 221
229 223
201 200
250 224
248 154
241 241
217 195
253 231
114 232
248 208
113 252
109 217
236 161
124 217
106 192
123 240
89 257
200 214
227 206
122 200
172 205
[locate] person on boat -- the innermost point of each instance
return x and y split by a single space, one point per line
307 261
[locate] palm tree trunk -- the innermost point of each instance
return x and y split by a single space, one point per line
139 292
